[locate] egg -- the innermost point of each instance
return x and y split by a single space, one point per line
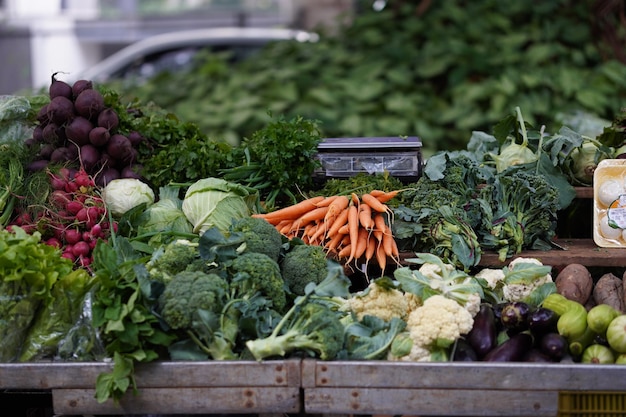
609 191
607 231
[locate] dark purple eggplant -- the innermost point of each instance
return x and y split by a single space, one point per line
542 321
554 345
536 355
463 352
511 350
514 315
483 336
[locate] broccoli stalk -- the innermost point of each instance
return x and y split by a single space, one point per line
308 326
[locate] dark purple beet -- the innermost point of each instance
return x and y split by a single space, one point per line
135 138
42 115
78 130
60 110
61 155
79 86
46 150
119 147
99 136
50 133
130 157
30 142
38 133
132 171
89 157
108 118
106 175
89 104
38 165
59 88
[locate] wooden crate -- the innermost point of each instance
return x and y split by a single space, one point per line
449 389
207 387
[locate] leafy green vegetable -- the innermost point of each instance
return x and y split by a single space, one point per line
28 271
279 160
166 214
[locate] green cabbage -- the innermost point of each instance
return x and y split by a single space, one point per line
124 194
166 214
214 202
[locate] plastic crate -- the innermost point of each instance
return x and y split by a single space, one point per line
592 404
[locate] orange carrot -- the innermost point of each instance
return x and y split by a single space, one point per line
379 226
361 243
341 220
365 216
353 230
355 199
337 206
345 252
327 201
376 205
317 213
371 248
295 210
388 242
345 229
383 198
381 258
333 243
286 229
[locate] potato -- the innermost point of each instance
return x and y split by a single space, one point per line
575 283
609 290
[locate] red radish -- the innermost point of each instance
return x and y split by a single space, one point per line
81 249
72 236
74 207
68 255
60 199
96 230
82 215
53 241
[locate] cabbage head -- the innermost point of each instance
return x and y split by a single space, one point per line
214 202
123 194
166 214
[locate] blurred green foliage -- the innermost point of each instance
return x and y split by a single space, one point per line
438 72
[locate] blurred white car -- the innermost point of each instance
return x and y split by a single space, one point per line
175 51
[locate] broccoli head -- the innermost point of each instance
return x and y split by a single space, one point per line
310 328
259 235
171 259
189 291
303 264
254 272
196 303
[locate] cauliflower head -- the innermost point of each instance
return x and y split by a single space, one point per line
439 322
380 299
519 291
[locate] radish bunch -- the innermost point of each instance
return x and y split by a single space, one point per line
77 129
74 218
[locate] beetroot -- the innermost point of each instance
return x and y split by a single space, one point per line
61 155
59 88
108 118
132 171
99 136
50 133
78 130
60 110
106 175
89 157
38 133
135 138
42 115
119 147
37 165
79 86
89 104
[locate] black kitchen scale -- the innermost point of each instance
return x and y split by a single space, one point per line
399 156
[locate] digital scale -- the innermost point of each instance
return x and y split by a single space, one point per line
401 157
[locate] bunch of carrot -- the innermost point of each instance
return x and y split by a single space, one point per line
350 228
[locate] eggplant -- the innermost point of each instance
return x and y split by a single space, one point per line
463 352
542 321
536 355
514 315
483 336
554 345
511 350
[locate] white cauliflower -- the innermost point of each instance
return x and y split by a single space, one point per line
380 299
492 277
439 322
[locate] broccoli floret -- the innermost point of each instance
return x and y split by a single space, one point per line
259 235
254 272
303 264
171 259
195 303
312 328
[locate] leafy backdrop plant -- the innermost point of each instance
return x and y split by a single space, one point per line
439 72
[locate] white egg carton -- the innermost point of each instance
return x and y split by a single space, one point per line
609 204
